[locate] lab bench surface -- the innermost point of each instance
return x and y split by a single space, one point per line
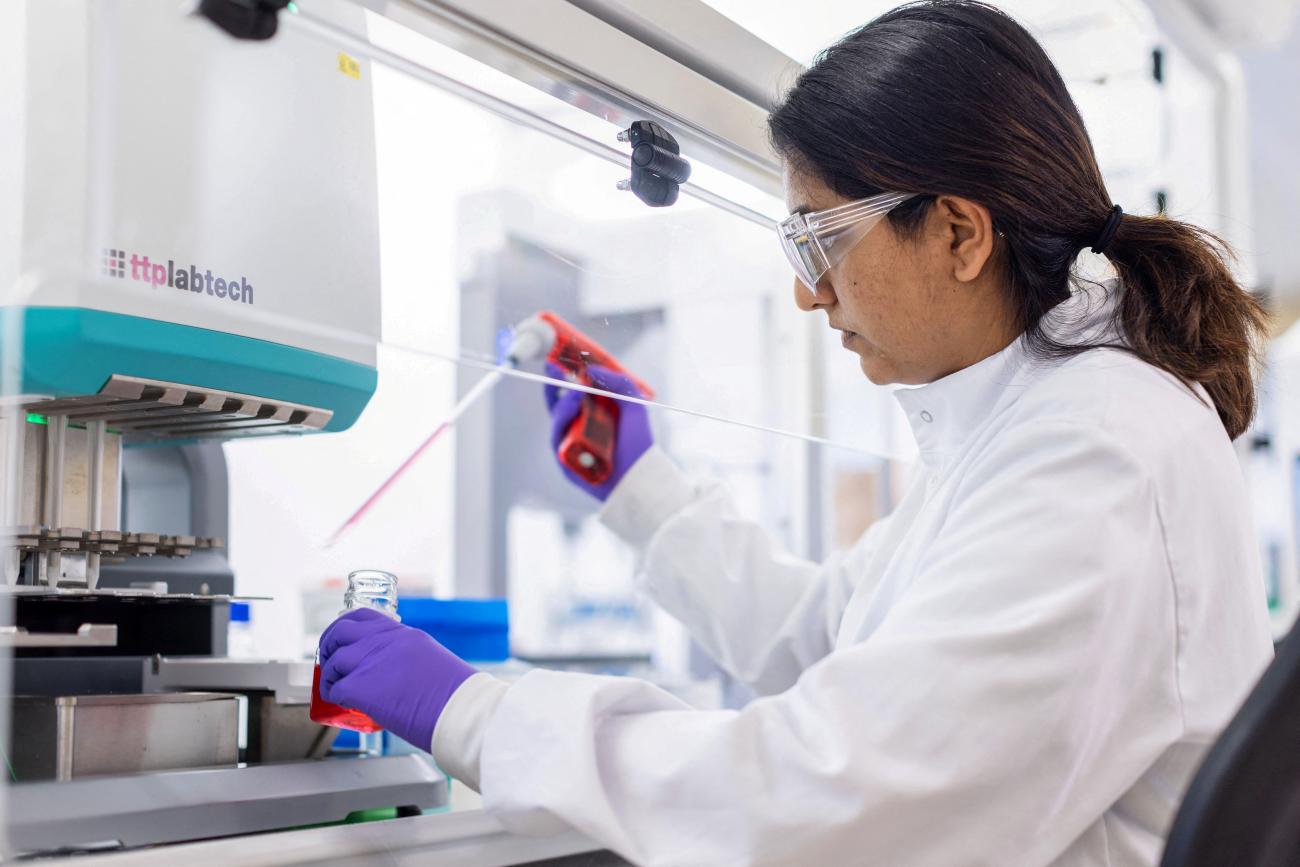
457 839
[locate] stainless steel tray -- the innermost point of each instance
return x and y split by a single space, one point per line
64 737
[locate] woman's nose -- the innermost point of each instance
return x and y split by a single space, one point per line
809 300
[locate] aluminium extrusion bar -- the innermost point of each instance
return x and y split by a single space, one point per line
507 110
95 481
562 50
615 73
56 438
699 37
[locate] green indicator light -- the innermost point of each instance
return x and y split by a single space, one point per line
36 418
293 7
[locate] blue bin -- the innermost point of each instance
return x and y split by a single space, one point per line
476 630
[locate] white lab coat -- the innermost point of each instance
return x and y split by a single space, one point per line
1023 665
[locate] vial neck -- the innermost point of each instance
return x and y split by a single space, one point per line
382 606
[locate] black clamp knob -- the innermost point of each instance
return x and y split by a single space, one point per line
244 19
658 170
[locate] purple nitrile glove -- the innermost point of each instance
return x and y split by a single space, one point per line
632 439
397 675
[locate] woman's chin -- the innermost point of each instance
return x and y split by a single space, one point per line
877 370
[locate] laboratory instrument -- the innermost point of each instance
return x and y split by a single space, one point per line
587 447
148 318
632 435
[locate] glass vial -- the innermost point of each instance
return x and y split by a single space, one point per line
367 588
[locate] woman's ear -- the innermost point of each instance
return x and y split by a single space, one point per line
969 228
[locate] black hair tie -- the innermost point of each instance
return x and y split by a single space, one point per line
1108 230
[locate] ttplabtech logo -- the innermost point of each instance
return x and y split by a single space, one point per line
114 263
187 279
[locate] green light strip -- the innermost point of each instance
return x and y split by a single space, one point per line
37 418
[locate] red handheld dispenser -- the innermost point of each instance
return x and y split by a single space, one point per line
588 446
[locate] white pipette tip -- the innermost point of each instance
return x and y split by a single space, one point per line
463 404
532 339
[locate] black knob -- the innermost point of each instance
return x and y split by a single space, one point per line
244 19
657 166
659 161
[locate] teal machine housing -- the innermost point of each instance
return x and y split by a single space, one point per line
69 351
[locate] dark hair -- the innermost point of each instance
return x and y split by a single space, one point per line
954 97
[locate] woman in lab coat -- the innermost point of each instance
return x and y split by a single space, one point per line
1025 662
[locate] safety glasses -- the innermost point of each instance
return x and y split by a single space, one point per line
816 242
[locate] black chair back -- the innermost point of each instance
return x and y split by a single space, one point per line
1243 804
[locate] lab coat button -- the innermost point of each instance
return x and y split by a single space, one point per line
925 416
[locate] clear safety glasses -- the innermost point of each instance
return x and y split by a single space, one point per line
816 242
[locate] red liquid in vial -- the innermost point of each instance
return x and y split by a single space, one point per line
329 714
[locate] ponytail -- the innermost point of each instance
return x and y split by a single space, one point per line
1182 311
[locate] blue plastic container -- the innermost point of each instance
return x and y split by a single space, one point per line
476 630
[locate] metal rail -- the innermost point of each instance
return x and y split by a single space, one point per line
504 109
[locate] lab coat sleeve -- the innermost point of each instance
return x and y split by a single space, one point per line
760 613
1021 684
457 743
